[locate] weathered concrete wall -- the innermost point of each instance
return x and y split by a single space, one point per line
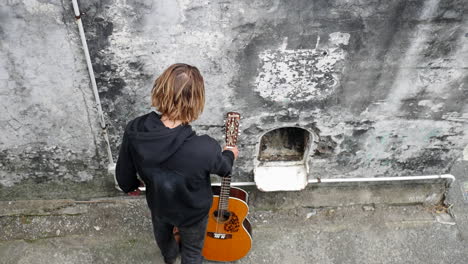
51 144
381 83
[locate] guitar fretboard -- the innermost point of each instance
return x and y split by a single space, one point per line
224 193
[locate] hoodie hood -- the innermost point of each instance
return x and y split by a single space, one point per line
152 142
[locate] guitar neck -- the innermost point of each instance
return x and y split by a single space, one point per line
224 193
232 131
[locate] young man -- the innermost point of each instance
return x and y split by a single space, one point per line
174 163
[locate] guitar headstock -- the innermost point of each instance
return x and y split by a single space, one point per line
232 128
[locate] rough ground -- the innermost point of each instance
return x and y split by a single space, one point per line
118 231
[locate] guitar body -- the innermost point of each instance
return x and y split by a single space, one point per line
229 233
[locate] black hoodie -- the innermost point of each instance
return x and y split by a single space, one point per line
175 165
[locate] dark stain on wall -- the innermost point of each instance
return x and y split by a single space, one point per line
41 163
458 97
325 147
369 49
425 162
98 30
346 157
114 91
450 11
411 108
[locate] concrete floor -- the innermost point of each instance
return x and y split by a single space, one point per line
311 226
119 231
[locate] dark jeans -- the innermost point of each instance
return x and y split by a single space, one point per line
191 241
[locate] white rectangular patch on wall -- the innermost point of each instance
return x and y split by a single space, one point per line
279 177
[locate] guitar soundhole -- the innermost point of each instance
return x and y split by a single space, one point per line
233 224
222 216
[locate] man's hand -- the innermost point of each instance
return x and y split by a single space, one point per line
234 150
137 192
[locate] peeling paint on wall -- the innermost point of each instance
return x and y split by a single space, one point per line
302 74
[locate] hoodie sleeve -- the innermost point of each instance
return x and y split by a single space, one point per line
223 162
125 171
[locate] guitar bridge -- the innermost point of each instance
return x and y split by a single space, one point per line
219 235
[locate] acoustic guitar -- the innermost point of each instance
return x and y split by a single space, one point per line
229 233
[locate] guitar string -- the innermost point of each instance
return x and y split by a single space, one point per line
224 194
220 204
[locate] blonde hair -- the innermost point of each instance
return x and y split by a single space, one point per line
179 93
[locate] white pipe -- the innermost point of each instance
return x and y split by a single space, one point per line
93 79
383 179
449 177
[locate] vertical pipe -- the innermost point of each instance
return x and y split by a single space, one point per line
93 79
